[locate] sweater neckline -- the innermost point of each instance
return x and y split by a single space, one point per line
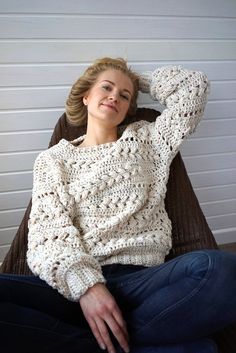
104 146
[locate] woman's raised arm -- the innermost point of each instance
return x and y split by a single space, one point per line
184 93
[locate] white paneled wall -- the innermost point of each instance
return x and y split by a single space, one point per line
44 47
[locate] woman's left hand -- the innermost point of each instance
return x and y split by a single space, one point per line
101 310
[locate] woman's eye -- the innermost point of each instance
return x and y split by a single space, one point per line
106 88
125 97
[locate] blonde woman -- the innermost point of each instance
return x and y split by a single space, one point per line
99 232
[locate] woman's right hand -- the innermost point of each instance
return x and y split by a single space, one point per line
101 310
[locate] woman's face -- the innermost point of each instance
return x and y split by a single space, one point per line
109 98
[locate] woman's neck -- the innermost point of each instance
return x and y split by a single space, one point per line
99 135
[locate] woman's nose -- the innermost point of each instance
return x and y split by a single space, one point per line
113 96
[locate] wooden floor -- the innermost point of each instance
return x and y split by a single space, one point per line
228 247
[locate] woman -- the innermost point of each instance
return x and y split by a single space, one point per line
99 231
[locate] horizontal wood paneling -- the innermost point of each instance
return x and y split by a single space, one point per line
218 208
20 75
224 236
11 218
218 90
222 221
191 8
210 162
213 178
12 200
7 235
59 51
29 119
23 98
3 251
216 193
220 109
24 141
79 27
13 162
195 146
213 128
16 181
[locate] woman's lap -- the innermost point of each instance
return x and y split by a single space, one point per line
34 293
35 318
176 301
179 300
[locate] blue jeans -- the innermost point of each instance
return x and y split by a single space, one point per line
170 305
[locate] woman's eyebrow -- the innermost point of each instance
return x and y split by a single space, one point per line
125 89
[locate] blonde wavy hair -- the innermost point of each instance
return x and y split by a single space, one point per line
76 111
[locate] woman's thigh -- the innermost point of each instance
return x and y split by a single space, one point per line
32 292
179 299
134 284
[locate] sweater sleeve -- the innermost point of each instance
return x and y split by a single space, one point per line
55 249
184 93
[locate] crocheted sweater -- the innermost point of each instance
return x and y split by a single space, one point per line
104 204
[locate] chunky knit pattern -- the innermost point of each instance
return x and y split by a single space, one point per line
104 204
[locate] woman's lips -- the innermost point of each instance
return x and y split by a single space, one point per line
110 106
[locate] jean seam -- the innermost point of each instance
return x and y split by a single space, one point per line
186 298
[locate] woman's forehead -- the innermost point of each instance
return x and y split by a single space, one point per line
117 77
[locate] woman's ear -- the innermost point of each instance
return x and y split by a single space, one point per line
85 100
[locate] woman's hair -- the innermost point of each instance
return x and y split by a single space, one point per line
76 111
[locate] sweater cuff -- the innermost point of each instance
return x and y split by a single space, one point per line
80 278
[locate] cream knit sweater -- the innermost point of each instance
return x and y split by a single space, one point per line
104 204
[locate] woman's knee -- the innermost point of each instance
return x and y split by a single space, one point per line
213 262
200 263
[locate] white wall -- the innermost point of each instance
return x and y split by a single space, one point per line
45 45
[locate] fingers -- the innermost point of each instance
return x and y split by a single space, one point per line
119 331
121 322
105 336
97 334
101 333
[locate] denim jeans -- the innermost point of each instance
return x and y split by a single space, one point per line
170 305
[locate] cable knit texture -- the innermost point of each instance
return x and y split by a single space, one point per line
104 204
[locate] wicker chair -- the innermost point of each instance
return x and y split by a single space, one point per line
190 229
